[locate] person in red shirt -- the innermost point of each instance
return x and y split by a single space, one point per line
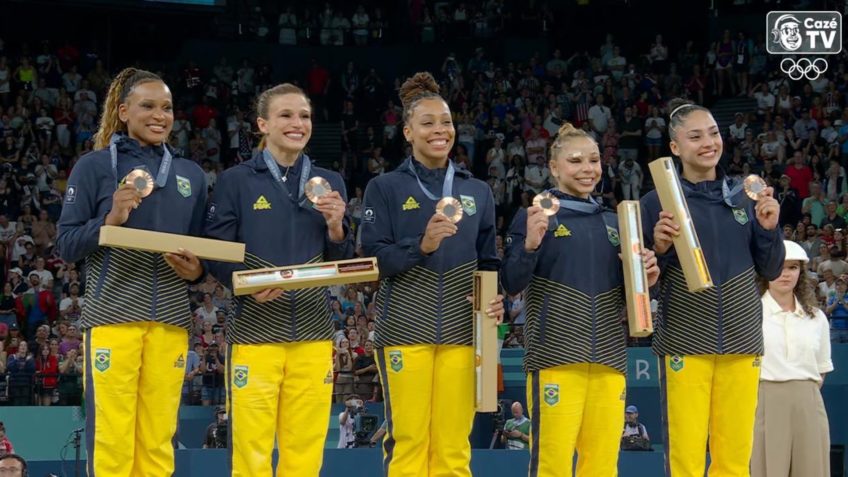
5 445
203 113
800 175
47 372
317 85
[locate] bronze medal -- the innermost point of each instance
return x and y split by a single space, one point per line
548 202
754 186
141 180
450 208
316 188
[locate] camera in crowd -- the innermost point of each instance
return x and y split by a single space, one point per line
364 424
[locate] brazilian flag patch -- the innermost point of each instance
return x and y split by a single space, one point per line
741 216
240 376
102 359
183 186
396 360
551 394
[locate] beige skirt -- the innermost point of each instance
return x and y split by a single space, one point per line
791 434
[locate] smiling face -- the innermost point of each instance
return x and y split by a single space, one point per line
697 142
430 129
577 167
148 113
288 125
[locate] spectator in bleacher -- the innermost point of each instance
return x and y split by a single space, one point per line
365 372
36 305
193 382
654 126
21 368
6 446
208 312
343 364
832 218
7 305
692 347
70 340
213 375
631 176
585 421
791 434
47 373
814 202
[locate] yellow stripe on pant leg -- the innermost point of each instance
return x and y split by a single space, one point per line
304 409
688 386
453 411
600 433
114 359
160 385
256 372
562 398
407 376
734 409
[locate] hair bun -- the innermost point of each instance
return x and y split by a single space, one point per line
566 129
421 84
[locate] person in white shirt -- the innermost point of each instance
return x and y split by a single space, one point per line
791 435
599 116
347 438
536 177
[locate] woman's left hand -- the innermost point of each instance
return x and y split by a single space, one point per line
767 210
185 264
652 268
332 207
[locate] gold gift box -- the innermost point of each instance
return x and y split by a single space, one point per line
485 343
161 242
310 275
686 244
635 277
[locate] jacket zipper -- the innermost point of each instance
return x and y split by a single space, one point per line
720 324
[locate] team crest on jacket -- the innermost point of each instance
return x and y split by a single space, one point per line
613 237
240 376
551 394
411 204
183 186
741 216
102 359
562 231
396 360
468 204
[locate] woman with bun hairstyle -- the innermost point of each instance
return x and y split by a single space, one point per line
791 434
424 333
710 342
136 316
280 362
575 354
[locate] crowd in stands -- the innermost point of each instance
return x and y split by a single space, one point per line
505 114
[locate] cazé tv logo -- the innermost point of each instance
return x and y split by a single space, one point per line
804 33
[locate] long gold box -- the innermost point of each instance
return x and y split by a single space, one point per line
635 277
161 242
485 342
686 244
310 275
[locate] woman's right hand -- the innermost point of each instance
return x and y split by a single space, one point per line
269 294
124 200
537 225
664 232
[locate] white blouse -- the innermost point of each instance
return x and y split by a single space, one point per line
797 347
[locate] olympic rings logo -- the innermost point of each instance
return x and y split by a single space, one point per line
803 68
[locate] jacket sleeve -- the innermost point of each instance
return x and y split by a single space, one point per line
651 208
394 257
79 225
518 264
344 248
766 249
222 223
487 249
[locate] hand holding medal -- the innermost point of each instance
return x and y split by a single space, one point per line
137 185
329 203
767 209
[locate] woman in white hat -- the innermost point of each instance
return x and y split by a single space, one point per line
791 436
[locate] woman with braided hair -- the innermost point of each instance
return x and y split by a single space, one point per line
427 259
137 316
